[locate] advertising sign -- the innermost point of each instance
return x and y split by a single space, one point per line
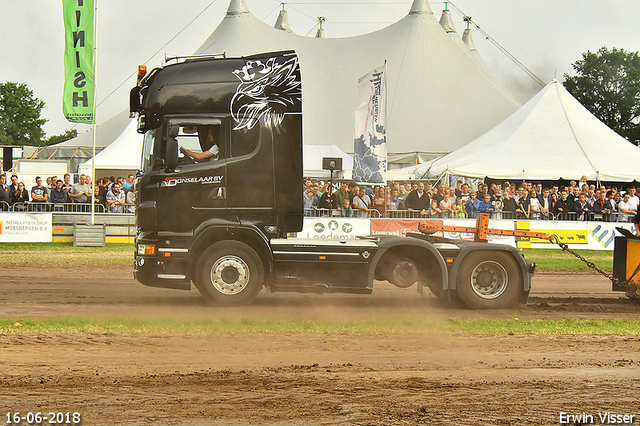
336 228
77 100
25 228
370 143
396 227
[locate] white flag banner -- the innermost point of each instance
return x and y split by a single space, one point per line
370 144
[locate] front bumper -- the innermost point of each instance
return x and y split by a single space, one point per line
165 268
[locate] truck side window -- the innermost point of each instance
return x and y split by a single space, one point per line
244 141
197 139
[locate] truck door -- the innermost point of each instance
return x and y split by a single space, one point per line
202 184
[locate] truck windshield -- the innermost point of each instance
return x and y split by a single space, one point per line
148 159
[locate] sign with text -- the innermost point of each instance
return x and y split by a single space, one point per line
77 99
396 227
25 228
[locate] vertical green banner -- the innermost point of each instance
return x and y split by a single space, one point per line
79 72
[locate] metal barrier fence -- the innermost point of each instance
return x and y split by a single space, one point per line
373 214
33 207
497 215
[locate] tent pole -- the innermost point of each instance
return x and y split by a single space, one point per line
95 91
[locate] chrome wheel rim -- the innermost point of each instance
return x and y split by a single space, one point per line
230 275
489 279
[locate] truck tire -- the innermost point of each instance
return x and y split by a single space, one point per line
229 273
489 280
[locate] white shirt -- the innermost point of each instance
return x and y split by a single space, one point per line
534 203
214 150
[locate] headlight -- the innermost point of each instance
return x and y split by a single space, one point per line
146 249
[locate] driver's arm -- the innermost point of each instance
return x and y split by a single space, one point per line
202 156
198 156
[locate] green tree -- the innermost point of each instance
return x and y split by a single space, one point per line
69 134
20 121
607 83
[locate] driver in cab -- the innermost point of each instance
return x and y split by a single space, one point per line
207 154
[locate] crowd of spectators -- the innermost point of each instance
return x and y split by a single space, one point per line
108 194
526 200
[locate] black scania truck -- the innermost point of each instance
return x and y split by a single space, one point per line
222 222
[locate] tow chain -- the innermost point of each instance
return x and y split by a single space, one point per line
555 240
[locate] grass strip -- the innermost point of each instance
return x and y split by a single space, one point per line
62 255
515 326
555 260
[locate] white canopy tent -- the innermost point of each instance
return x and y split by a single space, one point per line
77 150
551 137
439 98
440 94
122 156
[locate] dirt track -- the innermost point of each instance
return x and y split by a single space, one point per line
309 379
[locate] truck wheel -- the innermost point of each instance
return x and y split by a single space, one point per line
489 280
229 272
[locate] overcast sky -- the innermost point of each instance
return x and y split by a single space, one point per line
545 35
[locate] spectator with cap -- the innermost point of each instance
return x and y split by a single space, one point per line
58 194
328 200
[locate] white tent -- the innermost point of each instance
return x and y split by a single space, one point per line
440 94
551 137
122 156
439 98
80 148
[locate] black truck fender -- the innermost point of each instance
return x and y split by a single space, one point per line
388 244
472 247
210 233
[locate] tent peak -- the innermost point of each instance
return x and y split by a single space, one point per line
467 38
320 32
446 22
282 23
237 7
420 7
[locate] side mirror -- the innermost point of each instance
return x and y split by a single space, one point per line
171 158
